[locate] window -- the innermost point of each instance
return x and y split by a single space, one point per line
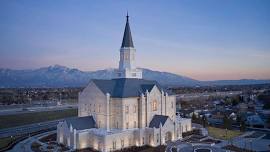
99 124
149 138
135 124
127 125
114 144
126 57
134 74
90 108
135 109
157 138
99 108
127 109
117 124
129 142
154 105
122 143
172 104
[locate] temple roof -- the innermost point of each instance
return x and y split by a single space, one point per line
157 120
81 123
125 87
127 39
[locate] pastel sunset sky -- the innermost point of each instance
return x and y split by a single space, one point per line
204 40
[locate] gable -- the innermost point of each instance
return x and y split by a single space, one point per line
81 123
157 120
92 88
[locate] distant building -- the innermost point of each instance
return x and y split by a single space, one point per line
123 112
254 120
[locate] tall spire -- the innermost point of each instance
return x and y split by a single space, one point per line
127 39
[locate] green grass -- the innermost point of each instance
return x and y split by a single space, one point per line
8 121
4 142
219 133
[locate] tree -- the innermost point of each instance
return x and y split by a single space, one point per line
227 122
204 121
194 118
242 126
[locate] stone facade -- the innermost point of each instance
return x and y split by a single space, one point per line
123 112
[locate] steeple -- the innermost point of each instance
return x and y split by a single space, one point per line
127 39
127 63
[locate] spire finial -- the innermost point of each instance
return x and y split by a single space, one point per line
127 15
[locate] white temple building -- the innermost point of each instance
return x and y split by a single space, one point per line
123 112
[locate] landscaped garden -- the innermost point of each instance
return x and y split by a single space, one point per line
223 134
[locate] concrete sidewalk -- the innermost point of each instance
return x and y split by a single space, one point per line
25 145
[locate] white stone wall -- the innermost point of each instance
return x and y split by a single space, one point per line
154 95
130 112
93 102
185 124
171 107
127 66
127 58
116 114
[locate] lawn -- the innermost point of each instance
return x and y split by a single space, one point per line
219 133
4 142
8 121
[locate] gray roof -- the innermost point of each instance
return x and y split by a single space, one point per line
127 39
81 123
157 120
125 87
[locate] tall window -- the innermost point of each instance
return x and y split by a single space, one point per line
126 56
135 109
135 124
122 143
129 142
127 109
127 125
99 107
114 144
154 105
172 104
157 138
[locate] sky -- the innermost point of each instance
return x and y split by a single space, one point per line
204 40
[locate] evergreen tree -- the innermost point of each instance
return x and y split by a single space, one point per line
194 118
242 126
227 122
204 121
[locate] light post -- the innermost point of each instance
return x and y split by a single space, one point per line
250 142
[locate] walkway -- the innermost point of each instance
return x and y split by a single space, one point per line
25 145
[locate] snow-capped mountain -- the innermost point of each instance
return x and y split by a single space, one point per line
61 76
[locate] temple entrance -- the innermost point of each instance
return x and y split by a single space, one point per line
168 137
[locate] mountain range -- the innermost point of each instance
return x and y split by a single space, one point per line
61 76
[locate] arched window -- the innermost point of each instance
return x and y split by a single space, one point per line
154 105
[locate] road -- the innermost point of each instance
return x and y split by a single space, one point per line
35 109
190 96
28 128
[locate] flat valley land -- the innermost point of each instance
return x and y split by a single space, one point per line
8 121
